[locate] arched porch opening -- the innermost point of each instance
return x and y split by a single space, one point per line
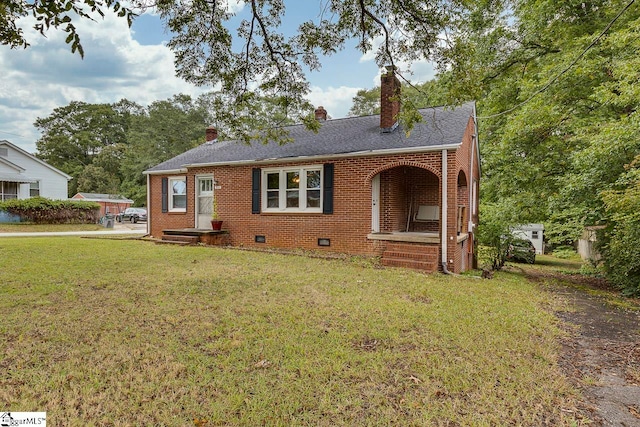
406 199
462 204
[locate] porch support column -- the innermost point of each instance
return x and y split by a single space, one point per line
443 222
148 204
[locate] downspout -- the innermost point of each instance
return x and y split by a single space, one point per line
472 195
148 205
443 225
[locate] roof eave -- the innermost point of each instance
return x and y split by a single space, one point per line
390 151
165 172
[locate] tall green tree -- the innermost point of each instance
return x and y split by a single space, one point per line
248 54
79 134
157 133
422 95
557 84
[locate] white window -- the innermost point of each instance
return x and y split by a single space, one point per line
8 190
34 189
178 194
292 189
534 235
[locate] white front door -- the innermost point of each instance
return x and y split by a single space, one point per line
204 201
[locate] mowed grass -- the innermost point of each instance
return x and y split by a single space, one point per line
22 227
123 333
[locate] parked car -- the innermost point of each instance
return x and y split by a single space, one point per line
132 214
521 250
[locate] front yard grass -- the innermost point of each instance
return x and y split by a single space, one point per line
111 332
23 227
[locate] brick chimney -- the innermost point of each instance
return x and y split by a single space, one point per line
389 100
321 114
211 134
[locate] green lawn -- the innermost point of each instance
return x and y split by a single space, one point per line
111 332
22 227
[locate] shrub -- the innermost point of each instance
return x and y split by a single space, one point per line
564 252
494 236
45 211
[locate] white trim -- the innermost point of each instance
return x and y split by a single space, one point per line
20 150
375 204
149 204
196 190
166 172
12 165
443 233
276 160
477 138
170 194
282 190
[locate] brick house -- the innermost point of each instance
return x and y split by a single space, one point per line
109 203
359 186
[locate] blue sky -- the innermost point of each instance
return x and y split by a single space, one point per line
135 64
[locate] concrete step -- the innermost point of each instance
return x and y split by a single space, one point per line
410 248
428 266
417 256
191 240
420 257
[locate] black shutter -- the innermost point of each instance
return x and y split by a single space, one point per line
255 190
165 194
186 192
327 201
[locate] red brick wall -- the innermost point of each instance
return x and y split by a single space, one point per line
350 222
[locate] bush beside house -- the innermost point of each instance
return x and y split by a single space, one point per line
46 211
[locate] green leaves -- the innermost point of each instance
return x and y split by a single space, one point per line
56 14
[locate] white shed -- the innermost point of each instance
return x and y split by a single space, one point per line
533 232
22 175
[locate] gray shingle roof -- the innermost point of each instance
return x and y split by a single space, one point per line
441 127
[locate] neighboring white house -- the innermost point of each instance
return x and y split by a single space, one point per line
22 175
533 232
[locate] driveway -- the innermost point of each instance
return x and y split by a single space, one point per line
602 352
118 229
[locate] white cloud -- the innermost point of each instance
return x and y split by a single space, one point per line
47 75
336 100
235 6
418 71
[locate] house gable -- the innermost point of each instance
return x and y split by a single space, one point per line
31 173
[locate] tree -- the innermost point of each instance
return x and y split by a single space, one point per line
157 133
256 59
56 14
619 243
558 100
429 94
79 134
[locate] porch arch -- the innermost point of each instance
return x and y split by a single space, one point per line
462 202
402 190
396 164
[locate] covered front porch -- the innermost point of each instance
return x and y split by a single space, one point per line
407 223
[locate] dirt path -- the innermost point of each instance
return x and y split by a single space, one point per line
602 355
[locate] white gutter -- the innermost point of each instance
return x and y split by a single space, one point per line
389 151
166 172
443 225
